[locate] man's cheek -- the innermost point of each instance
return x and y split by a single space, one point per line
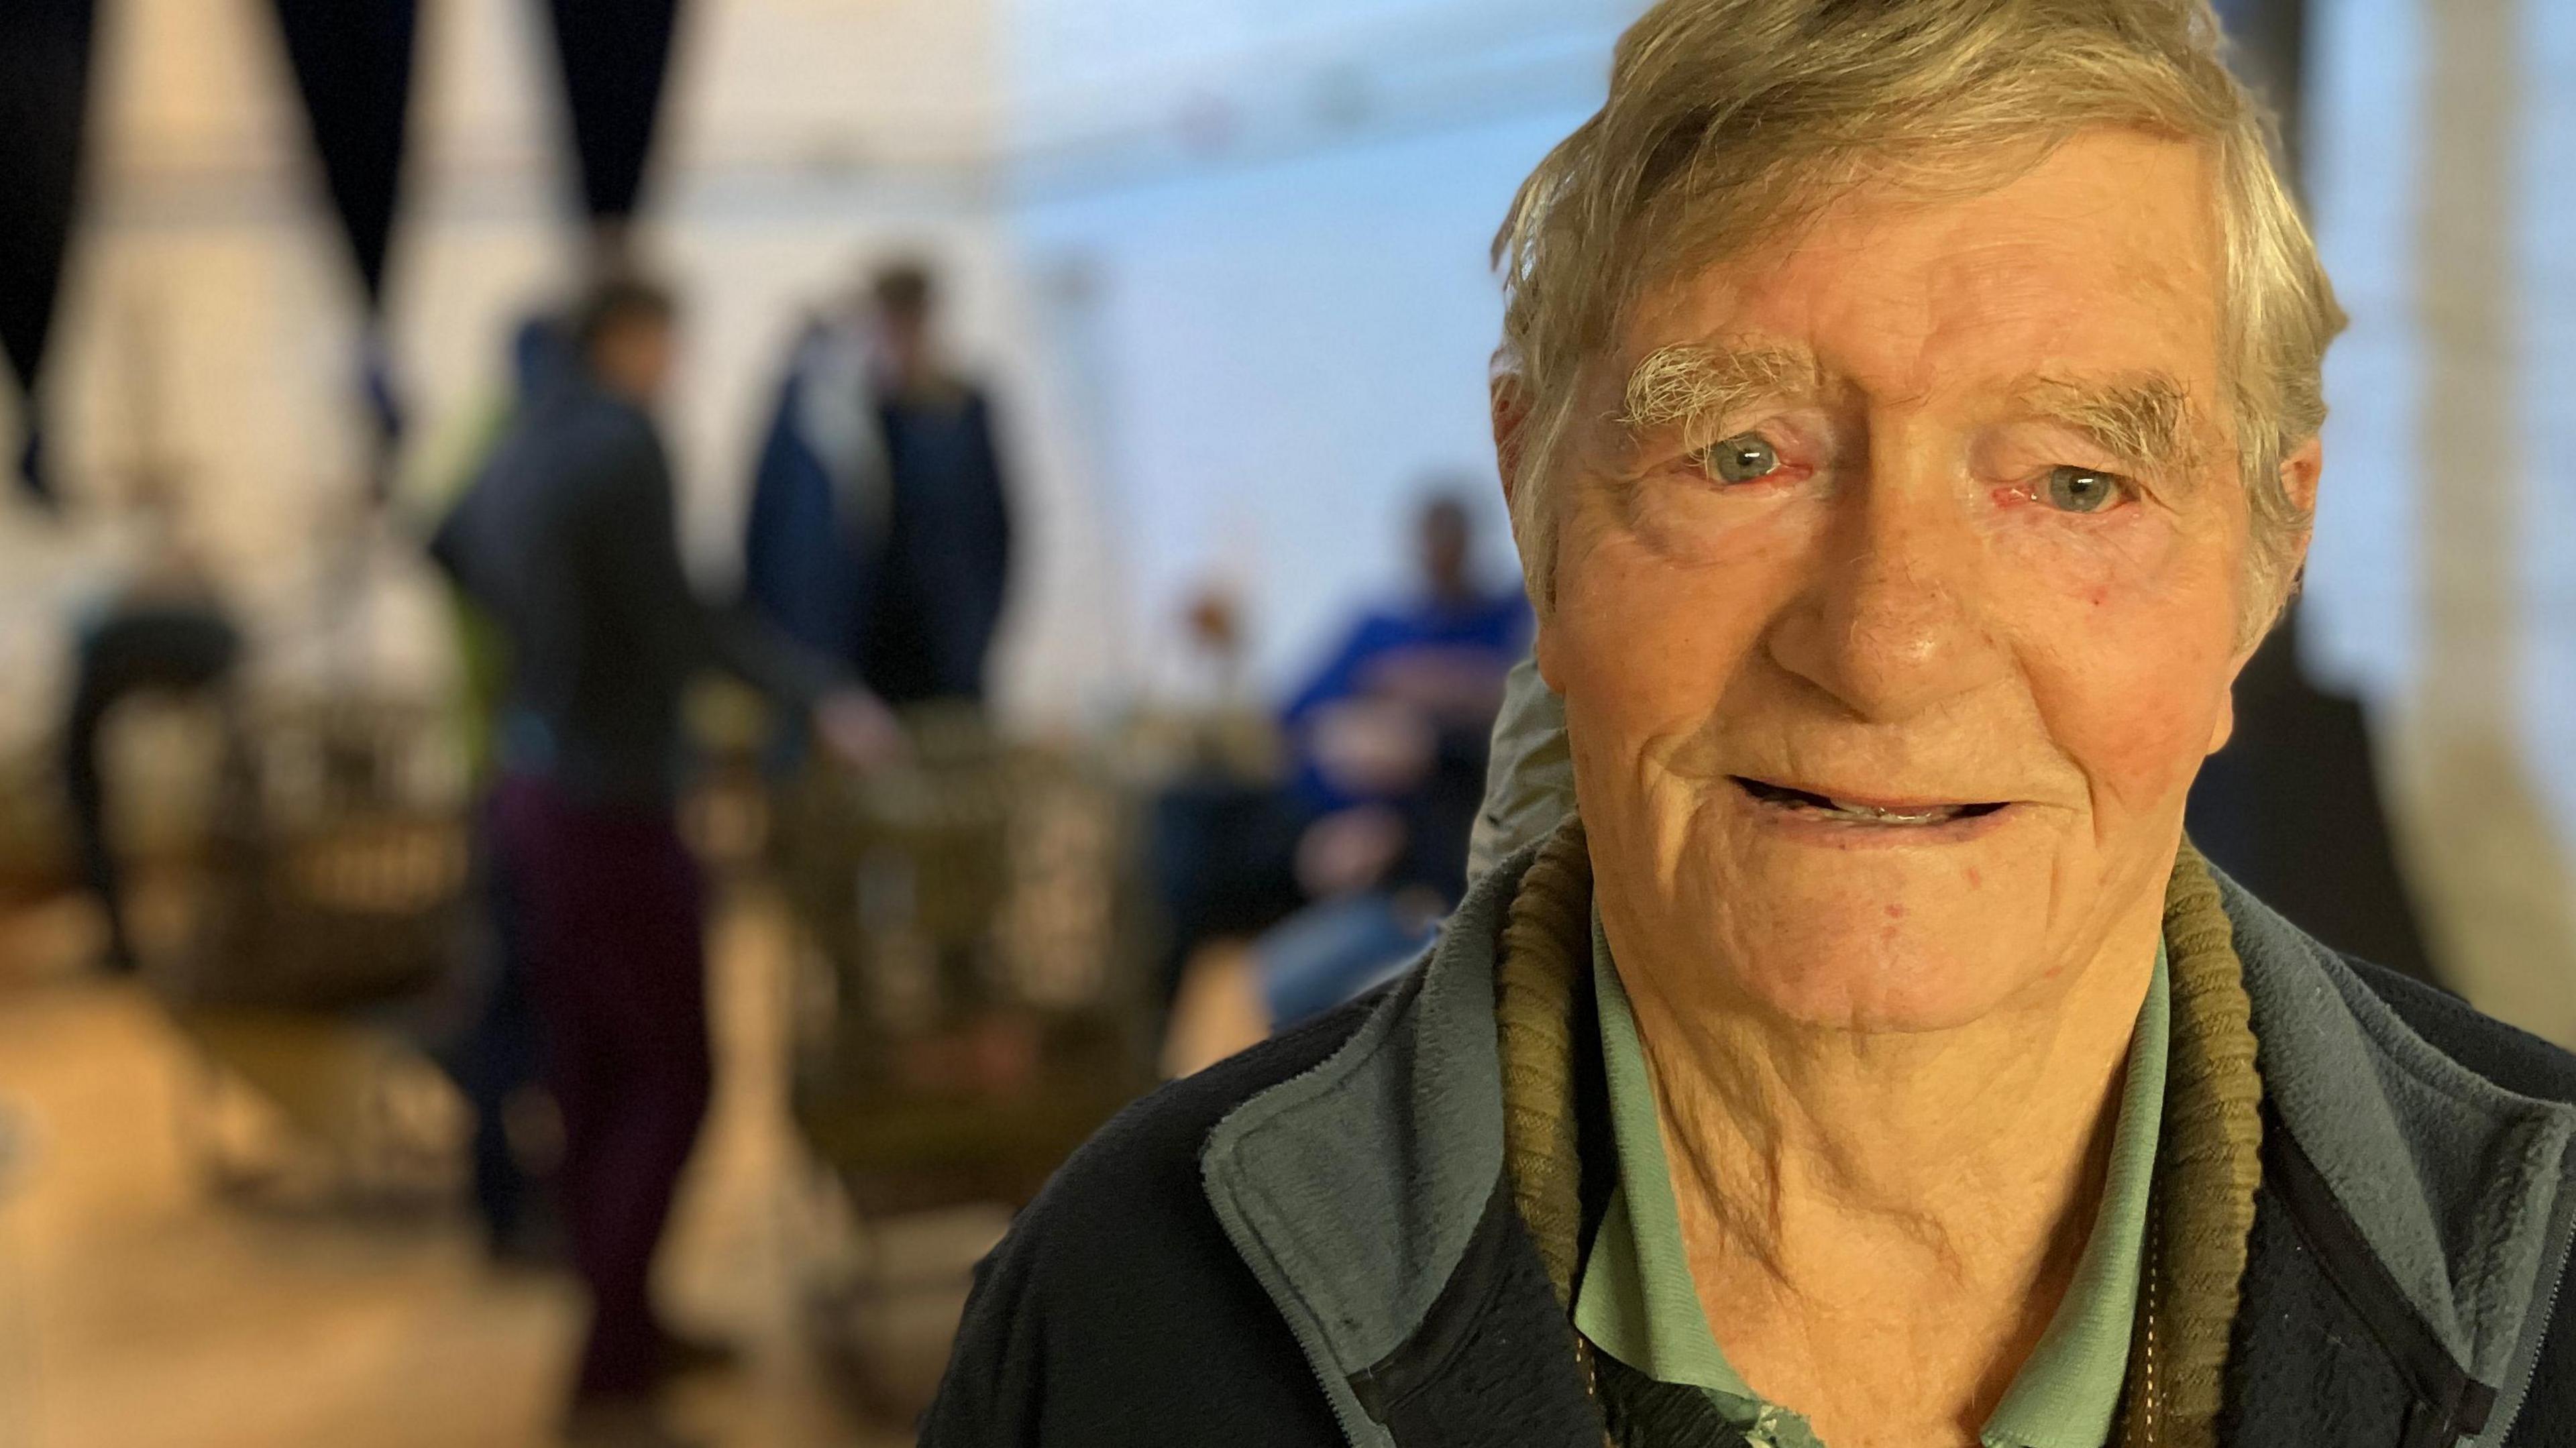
1691 664
2139 724
2092 567
1642 608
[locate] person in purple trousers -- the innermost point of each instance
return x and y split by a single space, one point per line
569 539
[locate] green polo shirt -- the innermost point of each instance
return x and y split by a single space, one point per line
1637 1303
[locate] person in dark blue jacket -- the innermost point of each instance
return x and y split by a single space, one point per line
880 531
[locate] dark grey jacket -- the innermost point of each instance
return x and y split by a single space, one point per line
569 539
1313 1243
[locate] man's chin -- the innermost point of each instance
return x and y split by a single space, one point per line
1874 938
1882 987
1885 949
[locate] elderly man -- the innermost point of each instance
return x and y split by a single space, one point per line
1909 413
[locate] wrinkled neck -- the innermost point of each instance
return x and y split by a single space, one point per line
1972 1155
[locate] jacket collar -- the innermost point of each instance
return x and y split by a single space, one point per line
2455 1186
1353 1190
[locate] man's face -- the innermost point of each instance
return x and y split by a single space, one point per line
1895 616
634 358
906 337
1444 542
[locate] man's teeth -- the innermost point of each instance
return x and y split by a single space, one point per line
1782 796
1874 815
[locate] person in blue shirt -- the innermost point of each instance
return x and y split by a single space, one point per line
1339 875
1394 726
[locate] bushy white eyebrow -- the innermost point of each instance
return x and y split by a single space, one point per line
2147 420
1697 386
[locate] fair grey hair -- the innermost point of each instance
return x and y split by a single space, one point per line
1730 122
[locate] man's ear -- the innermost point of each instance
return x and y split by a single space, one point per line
1543 656
1511 409
2300 471
2225 727
2299 474
1510 398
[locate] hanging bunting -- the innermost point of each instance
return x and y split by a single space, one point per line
353 66
352 62
615 55
44 105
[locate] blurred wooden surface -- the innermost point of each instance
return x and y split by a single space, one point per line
137 1311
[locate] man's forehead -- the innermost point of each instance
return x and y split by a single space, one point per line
2104 254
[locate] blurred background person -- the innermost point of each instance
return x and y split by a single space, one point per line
495 1059
822 492
947 556
880 524
569 538
163 630
1370 835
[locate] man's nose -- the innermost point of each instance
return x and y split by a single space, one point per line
1892 620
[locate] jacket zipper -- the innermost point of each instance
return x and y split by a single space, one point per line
2531 1369
1309 1344
2556 1268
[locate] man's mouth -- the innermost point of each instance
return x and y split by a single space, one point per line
1863 812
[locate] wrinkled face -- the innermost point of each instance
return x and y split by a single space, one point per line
1898 593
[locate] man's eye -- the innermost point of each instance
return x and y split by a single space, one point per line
1740 459
2083 490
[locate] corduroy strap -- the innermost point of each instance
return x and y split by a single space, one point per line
2208 1165
1547 943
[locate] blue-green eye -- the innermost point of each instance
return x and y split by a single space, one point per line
2083 490
1740 459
